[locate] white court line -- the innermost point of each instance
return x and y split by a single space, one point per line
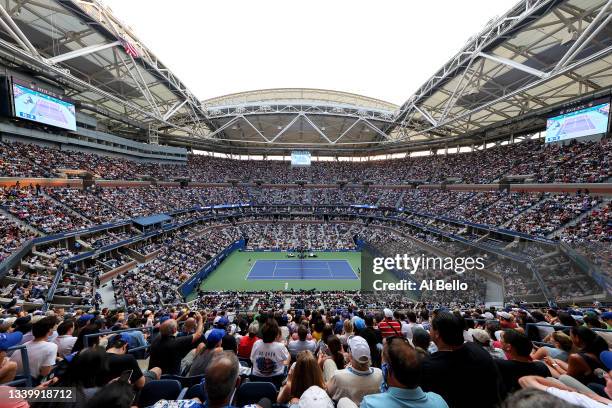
250 270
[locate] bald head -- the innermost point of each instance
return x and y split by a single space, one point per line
168 328
190 325
221 378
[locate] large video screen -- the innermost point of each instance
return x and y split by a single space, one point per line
38 107
300 158
591 120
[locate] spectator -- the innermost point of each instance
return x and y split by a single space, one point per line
402 374
562 347
528 398
119 361
168 350
221 379
65 340
456 366
422 340
268 356
481 337
296 346
580 367
517 347
246 342
304 373
359 379
8 368
41 353
204 355
585 398
389 327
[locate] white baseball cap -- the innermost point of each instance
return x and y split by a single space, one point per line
360 350
504 315
315 397
388 312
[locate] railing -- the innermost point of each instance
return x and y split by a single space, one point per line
112 333
25 364
557 327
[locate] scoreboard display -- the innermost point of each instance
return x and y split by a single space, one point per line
584 120
42 106
300 158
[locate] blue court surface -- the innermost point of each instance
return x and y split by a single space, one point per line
301 269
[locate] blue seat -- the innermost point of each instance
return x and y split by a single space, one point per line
186 382
196 391
277 380
252 392
156 390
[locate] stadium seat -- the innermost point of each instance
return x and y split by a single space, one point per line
277 380
196 391
251 392
186 382
157 390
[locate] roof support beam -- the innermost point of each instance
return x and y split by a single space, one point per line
82 52
514 64
426 115
587 35
377 130
178 105
315 127
283 130
17 31
347 130
254 128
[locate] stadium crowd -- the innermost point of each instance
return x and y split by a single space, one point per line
574 162
420 354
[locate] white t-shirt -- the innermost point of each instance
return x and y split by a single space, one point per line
268 358
64 344
575 398
40 354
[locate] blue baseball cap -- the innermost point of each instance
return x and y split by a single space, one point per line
8 340
222 322
606 359
359 323
214 337
124 337
164 318
85 318
606 315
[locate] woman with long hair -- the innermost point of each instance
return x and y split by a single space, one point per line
304 373
347 332
581 366
562 343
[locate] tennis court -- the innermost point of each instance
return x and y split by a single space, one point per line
302 269
254 271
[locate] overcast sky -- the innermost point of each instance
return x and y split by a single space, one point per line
383 49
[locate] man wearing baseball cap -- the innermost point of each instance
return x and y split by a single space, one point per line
358 379
402 376
119 361
389 327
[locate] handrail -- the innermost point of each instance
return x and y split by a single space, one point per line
25 364
107 333
558 326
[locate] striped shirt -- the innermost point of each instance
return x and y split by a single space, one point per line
390 327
